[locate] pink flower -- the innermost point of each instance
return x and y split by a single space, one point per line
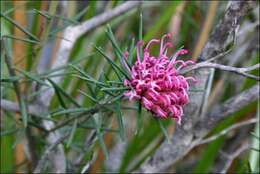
156 83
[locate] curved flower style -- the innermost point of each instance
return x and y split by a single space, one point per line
156 83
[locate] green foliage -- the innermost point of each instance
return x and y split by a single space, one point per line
90 96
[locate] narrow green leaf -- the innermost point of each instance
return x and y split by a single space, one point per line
76 61
69 111
75 18
87 76
113 40
49 16
115 82
114 66
100 137
19 26
164 131
102 128
254 135
92 80
117 49
141 35
21 39
10 79
8 132
9 63
63 93
42 14
73 130
116 98
79 70
60 98
141 27
139 118
119 117
115 89
23 111
90 97
32 77
131 51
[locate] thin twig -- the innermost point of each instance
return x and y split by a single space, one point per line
223 132
231 157
16 85
230 106
241 71
46 153
218 56
14 107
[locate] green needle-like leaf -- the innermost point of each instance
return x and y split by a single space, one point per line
120 121
141 35
131 51
113 64
69 111
91 98
23 112
21 39
164 131
117 49
139 118
63 93
100 137
92 80
115 89
19 26
73 130
32 77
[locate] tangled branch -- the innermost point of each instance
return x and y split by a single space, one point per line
241 71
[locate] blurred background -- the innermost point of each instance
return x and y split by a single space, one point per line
32 33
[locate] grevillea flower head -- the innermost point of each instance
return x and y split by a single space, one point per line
156 81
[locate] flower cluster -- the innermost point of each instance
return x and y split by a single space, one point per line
156 83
